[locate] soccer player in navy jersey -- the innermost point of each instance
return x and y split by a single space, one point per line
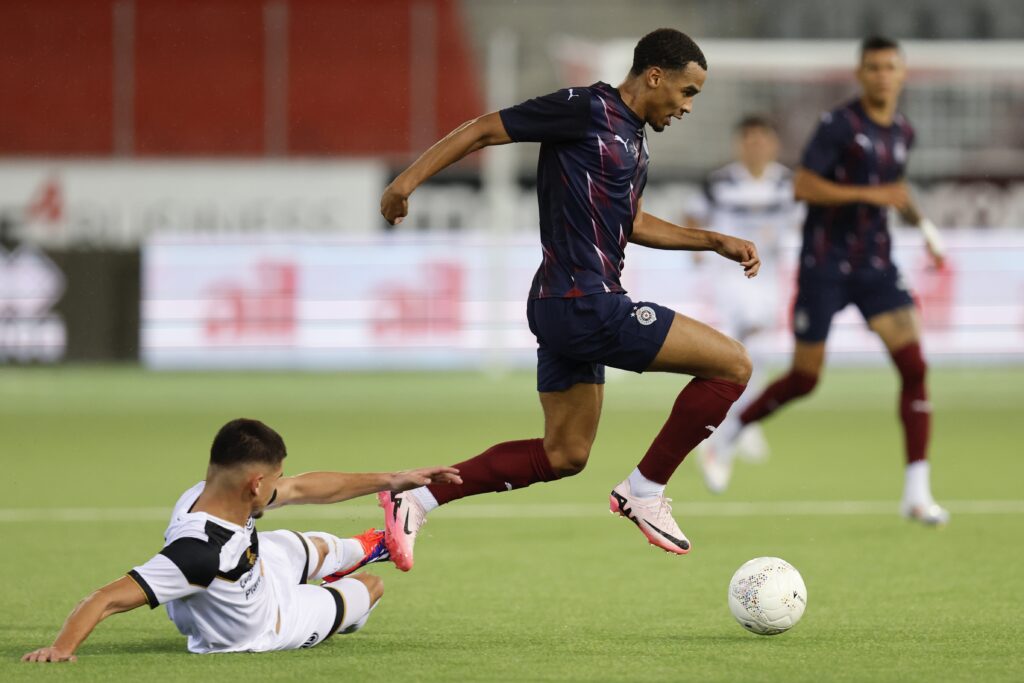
851 173
590 181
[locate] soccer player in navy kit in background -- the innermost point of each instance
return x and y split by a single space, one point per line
852 171
591 175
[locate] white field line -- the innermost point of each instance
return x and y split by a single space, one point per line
528 510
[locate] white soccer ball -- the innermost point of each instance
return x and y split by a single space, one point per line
767 596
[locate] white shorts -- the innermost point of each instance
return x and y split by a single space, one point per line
748 305
309 614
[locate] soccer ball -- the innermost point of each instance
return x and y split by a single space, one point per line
767 596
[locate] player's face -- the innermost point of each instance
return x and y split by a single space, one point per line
672 93
881 75
756 147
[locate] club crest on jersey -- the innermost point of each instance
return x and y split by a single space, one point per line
644 315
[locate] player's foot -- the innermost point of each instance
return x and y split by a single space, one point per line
929 513
751 445
716 470
653 516
374 550
403 519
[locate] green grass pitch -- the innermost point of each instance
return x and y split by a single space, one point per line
540 584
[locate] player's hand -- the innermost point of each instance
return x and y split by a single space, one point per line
411 479
896 195
49 654
741 251
394 205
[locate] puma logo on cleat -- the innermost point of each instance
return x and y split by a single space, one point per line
508 486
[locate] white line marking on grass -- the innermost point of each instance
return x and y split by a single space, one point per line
342 512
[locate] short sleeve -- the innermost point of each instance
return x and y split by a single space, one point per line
182 568
823 151
562 116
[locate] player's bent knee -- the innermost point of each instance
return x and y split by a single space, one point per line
568 460
737 367
374 585
744 366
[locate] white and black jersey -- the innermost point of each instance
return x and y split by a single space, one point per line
211 577
761 210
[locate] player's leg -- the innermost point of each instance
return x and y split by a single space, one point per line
899 330
720 368
571 391
570 426
311 615
818 299
319 555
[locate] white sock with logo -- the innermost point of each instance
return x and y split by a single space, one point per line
642 487
917 488
425 498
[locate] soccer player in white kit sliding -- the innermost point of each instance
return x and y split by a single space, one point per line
229 588
752 198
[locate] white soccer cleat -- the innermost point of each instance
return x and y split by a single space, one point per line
653 516
751 445
929 513
403 519
716 470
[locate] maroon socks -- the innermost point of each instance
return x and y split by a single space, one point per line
699 409
506 466
915 411
782 391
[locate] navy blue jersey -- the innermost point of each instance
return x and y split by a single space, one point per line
850 149
590 175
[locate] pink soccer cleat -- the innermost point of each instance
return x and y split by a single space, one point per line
403 519
653 516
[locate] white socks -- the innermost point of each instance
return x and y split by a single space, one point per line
642 487
917 488
342 554
425 498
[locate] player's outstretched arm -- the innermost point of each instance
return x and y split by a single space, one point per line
469 137
912 215
810 187
122 595
651 231
334 487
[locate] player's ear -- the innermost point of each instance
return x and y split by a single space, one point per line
654 76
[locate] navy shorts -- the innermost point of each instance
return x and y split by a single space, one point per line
821 295
577 337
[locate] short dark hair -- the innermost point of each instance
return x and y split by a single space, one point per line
756 121
245 441
666 48
872 43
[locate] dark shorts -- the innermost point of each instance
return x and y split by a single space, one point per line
577 337
821 296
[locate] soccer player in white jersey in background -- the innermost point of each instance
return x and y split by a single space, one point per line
229 588
751 197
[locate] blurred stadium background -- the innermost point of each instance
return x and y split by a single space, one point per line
192 186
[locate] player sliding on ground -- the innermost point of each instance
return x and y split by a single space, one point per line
230 588
851 173
590 180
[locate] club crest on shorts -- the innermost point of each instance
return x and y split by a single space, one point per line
644 315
